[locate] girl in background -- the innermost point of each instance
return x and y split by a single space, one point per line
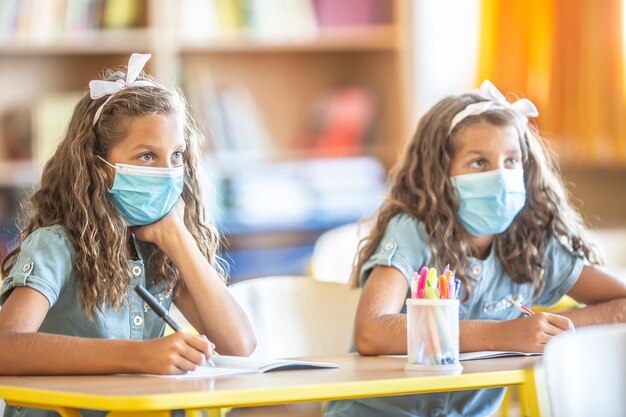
477 189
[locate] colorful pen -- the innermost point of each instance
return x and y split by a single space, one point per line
443 287
520 306
161 312
421 284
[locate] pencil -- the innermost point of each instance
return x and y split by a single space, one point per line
161 312
520 306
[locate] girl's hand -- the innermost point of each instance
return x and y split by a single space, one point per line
530 334
160 231
174 354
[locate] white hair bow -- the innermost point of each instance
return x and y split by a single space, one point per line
495 100
102 88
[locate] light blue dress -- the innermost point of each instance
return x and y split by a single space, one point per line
45 264
405 247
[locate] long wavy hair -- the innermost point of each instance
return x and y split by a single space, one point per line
74 185
420 187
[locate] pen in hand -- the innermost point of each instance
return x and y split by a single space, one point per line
161 312
520 306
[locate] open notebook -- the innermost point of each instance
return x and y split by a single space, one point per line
231 365
486 354
481 354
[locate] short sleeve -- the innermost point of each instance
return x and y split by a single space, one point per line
44 264
404 246
563 267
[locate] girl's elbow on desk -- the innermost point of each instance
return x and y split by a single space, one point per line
242 346
368 341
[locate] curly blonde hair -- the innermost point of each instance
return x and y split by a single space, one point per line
74 193
420 186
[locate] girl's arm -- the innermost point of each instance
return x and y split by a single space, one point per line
25 351
203 298
380 329
604 295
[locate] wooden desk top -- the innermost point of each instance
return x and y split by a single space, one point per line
356 377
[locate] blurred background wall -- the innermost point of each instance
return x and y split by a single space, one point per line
306 104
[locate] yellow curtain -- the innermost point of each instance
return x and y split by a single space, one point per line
567 56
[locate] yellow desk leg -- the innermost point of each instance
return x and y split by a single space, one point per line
161 413
64 411
208 412
505 406
528 393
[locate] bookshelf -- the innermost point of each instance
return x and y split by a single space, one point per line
286 72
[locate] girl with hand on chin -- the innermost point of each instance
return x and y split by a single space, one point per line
119 204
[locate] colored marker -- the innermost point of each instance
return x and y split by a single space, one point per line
421 284
443 287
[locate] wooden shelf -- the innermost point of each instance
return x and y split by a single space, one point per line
295 85
363 38
102 42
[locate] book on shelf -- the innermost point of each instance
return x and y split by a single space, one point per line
229 116
352 12
275 20
230 16
232 365
52 21
343 121
280 20
50 118
15 133
303 193
198 20
245 127
121 13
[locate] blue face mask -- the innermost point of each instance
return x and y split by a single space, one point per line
144 195
489 200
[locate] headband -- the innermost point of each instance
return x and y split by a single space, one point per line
495 101
102 88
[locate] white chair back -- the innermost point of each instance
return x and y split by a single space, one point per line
298 316
585 372
335 250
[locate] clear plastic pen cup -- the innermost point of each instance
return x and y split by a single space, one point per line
433 335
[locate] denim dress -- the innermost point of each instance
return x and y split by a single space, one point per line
45 264
405 247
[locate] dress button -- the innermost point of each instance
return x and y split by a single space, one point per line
27 266
477 269
137 321
136 271
389 246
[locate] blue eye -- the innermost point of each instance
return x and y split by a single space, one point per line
513 162
178 154
147 157
479 163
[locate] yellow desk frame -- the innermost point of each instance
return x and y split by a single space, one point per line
357 377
